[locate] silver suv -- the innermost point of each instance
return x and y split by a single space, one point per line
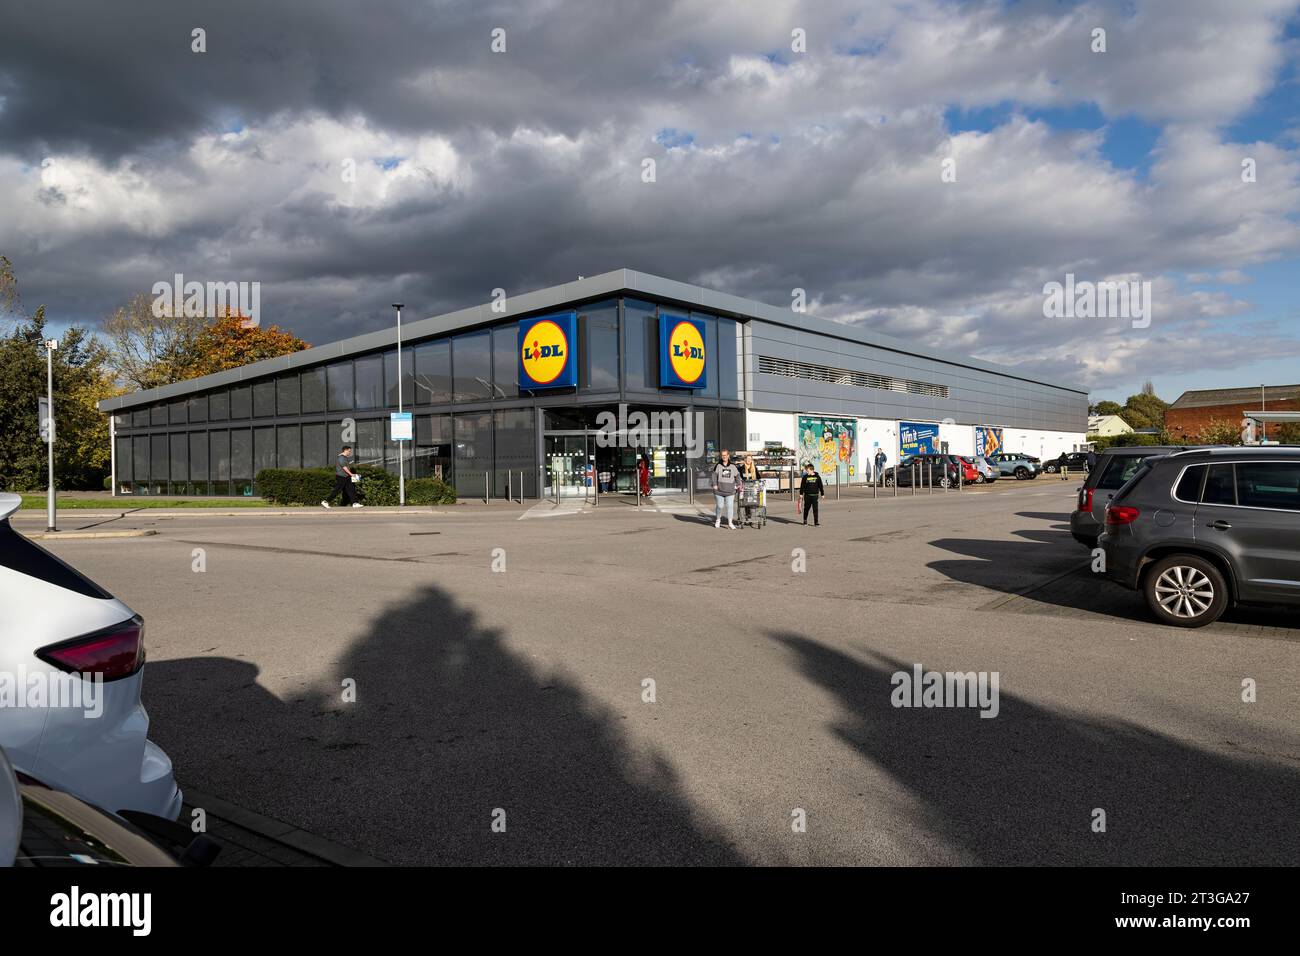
1197 531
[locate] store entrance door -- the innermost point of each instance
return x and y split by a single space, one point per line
568 465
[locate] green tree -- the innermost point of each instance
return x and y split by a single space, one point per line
1218 432
1144 410
1107 408
81 378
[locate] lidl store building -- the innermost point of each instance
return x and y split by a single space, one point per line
517 397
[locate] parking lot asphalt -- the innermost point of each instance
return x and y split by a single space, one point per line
521 694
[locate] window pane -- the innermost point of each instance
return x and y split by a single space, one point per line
729 358
598 347
1124 467
289 450
505 361
433 444
197 408
158 415
264 398
641 345
263 449
473 459
471 358
176 412
1189 486
287 400
158 457
433 373
1269 484
123 463
241 461
370 442
140 418
370 381
241 402
1218 486
219 445
408 377
339 381
199 456
180 456
315 452
313 390
218 406
516 452
140 459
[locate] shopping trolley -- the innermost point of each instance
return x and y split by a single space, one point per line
752 504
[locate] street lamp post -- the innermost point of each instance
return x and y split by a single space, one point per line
51 516
401 454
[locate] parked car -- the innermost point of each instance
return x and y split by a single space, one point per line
1114 467
1016 465
942 470
1197 531
58 627
1073 460
44 827
984 469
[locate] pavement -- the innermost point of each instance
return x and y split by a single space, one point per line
541 685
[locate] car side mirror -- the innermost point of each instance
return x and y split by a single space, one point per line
11 813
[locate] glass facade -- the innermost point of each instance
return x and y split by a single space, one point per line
472 426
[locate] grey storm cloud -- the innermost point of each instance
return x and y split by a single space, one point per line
344 154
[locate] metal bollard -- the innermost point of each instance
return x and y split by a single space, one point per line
929 476
914 479
487 488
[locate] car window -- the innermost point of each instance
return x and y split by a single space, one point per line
1189 486
21 555
1132 483
1269 484
1119 469
1219 488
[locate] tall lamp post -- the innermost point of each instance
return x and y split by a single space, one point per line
401 454
51 518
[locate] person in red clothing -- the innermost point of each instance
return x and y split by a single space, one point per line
643 475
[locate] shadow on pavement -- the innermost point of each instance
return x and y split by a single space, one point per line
448 725
1021 788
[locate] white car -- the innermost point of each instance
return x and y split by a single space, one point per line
71 666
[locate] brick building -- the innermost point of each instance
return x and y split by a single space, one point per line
1194 410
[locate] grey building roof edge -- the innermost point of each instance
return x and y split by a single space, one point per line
607 283
1209 397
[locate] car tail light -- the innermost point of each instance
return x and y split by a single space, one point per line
115 652
1085 499
1121 514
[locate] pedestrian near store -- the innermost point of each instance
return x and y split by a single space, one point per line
811 490
344 480
643 476
726 476
881 458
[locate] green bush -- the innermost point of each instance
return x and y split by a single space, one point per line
308 486
429 491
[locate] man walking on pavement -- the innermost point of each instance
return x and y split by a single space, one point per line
344 477
810 490
881 458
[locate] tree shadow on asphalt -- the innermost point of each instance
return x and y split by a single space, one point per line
448 725
1021 788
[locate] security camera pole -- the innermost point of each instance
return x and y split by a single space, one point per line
401 454
51 518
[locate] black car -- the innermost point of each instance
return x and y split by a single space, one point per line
932 469
1073 460
1197 531
1114 467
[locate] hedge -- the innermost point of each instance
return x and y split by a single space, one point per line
309 486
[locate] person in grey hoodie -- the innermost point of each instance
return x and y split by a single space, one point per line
726 475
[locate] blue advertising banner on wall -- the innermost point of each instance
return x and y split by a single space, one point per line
988 440
918 438
548 352
681 352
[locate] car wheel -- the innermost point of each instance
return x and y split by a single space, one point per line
1185 591
1050 469
945 483
889 481
1022 473
979 479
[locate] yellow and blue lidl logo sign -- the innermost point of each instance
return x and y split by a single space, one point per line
548 353
682 360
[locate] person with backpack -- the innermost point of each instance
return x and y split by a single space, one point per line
811 490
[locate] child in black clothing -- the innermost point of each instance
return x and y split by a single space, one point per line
810 490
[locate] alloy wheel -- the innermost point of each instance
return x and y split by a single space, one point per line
1184 591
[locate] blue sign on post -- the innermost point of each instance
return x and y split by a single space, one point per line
548 352
682 362
399 424
918 438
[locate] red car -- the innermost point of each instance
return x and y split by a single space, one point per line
970 474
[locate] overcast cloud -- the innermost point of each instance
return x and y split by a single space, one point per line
125 158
